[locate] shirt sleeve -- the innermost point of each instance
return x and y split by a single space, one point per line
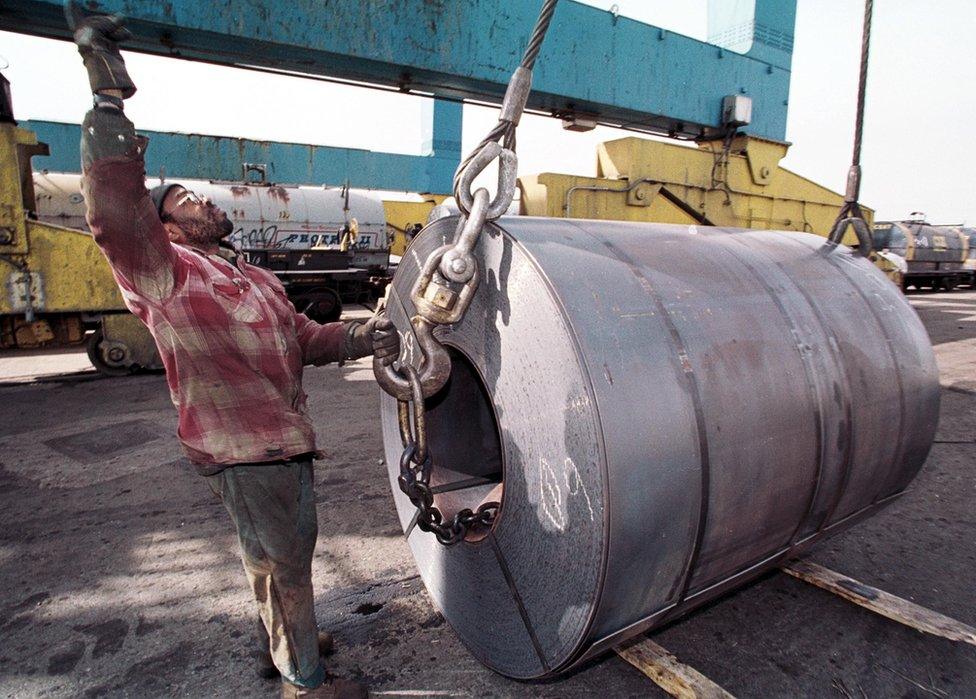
122 217
320 344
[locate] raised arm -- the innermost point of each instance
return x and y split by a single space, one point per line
120 213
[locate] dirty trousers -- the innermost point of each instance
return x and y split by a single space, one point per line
273 508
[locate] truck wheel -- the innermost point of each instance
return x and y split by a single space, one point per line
110 358
322 305
948 284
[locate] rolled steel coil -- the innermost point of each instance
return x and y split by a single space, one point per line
665 412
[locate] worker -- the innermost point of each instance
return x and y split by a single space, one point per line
233 347
348 235
413 230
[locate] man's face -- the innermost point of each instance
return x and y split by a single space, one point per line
200 222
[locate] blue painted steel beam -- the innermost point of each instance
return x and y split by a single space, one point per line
623 71
220 158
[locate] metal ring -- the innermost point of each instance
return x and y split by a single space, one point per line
860 226
507 177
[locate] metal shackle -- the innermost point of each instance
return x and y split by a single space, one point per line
507 180
458 264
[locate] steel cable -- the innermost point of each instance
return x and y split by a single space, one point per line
441 296
850 212
862 81
538 34
504 130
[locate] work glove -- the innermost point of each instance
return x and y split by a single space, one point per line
98 38
377 336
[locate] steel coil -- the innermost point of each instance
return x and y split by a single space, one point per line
664 411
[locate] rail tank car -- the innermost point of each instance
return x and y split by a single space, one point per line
264 215
293 230
935 255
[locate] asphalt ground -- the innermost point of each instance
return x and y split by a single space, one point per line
119 573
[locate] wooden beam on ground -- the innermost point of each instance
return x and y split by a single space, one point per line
881 602
675 678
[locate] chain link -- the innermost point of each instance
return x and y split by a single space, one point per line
414 481
438 300
413 430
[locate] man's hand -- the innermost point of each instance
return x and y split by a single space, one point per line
386 340
98 38
377 336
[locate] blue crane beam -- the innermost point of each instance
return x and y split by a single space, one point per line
619 70
221 158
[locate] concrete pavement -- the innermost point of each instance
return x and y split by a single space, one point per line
119 573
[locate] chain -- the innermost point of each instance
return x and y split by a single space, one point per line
415 467
444 290
414 481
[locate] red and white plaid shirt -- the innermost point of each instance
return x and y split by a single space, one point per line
231 341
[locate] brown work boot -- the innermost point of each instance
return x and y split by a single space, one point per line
263 664
330 689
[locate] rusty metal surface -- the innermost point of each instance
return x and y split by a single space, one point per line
675 410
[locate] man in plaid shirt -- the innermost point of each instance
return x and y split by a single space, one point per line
233 347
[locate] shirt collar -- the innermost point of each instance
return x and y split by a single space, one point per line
225 251
228 252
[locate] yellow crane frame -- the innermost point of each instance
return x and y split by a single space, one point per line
56 282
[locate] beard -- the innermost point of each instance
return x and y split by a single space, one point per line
207 232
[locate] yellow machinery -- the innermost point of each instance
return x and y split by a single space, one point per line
739 183
734 183
404 219
56 284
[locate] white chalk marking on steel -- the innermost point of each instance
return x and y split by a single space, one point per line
576 486
550 495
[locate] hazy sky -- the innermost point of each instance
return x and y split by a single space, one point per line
919 151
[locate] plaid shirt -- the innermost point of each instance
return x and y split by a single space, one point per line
231 341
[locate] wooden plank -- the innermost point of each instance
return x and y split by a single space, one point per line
674 677
881 602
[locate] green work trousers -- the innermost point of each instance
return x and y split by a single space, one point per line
273 508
